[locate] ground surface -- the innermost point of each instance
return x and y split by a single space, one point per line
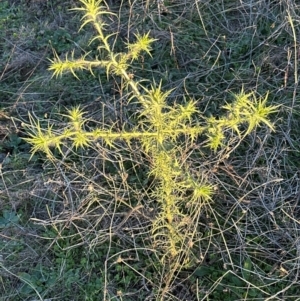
65 225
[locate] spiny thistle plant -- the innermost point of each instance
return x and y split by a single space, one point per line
161 129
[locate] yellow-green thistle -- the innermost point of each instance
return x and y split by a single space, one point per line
178 193
247 110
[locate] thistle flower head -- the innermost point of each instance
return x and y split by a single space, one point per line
41 139
259 113
92 10
142 43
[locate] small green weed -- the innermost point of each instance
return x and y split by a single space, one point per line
8 218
